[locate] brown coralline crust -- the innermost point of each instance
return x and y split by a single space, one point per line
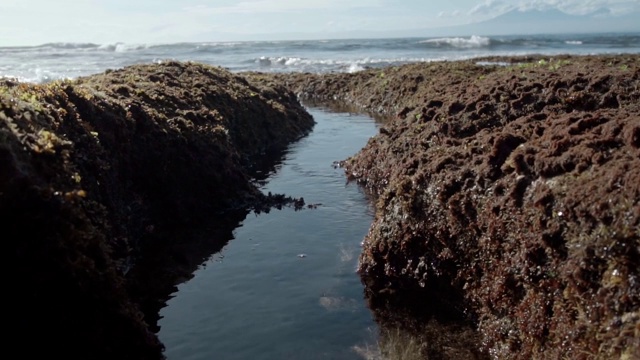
509 194
95 172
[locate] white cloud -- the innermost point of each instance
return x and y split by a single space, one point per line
281 16
575 7
491 7
452 14
190 20
281 6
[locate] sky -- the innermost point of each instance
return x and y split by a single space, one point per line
34 22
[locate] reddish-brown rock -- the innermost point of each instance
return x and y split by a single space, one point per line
508 197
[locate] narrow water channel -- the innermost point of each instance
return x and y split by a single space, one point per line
285 287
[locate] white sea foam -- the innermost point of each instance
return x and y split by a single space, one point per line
573 42
492 63
354 67
284 63
219 44
122 47
67 45
36 76
458 42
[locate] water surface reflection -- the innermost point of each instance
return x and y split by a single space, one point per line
285 287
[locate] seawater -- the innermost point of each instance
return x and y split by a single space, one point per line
55 61
285 287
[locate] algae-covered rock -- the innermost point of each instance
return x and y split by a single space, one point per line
91 170
508 198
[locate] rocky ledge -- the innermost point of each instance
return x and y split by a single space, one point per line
95 172
508 199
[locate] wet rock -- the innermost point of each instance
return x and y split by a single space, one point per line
506 194
97 172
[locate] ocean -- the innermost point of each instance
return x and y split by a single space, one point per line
54 61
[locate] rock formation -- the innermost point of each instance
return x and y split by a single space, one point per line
99 171
508 199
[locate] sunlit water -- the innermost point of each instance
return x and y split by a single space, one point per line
286 287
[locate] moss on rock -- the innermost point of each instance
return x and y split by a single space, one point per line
95 169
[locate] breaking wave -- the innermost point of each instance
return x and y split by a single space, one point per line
284 63
122 47
459 42
35 75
